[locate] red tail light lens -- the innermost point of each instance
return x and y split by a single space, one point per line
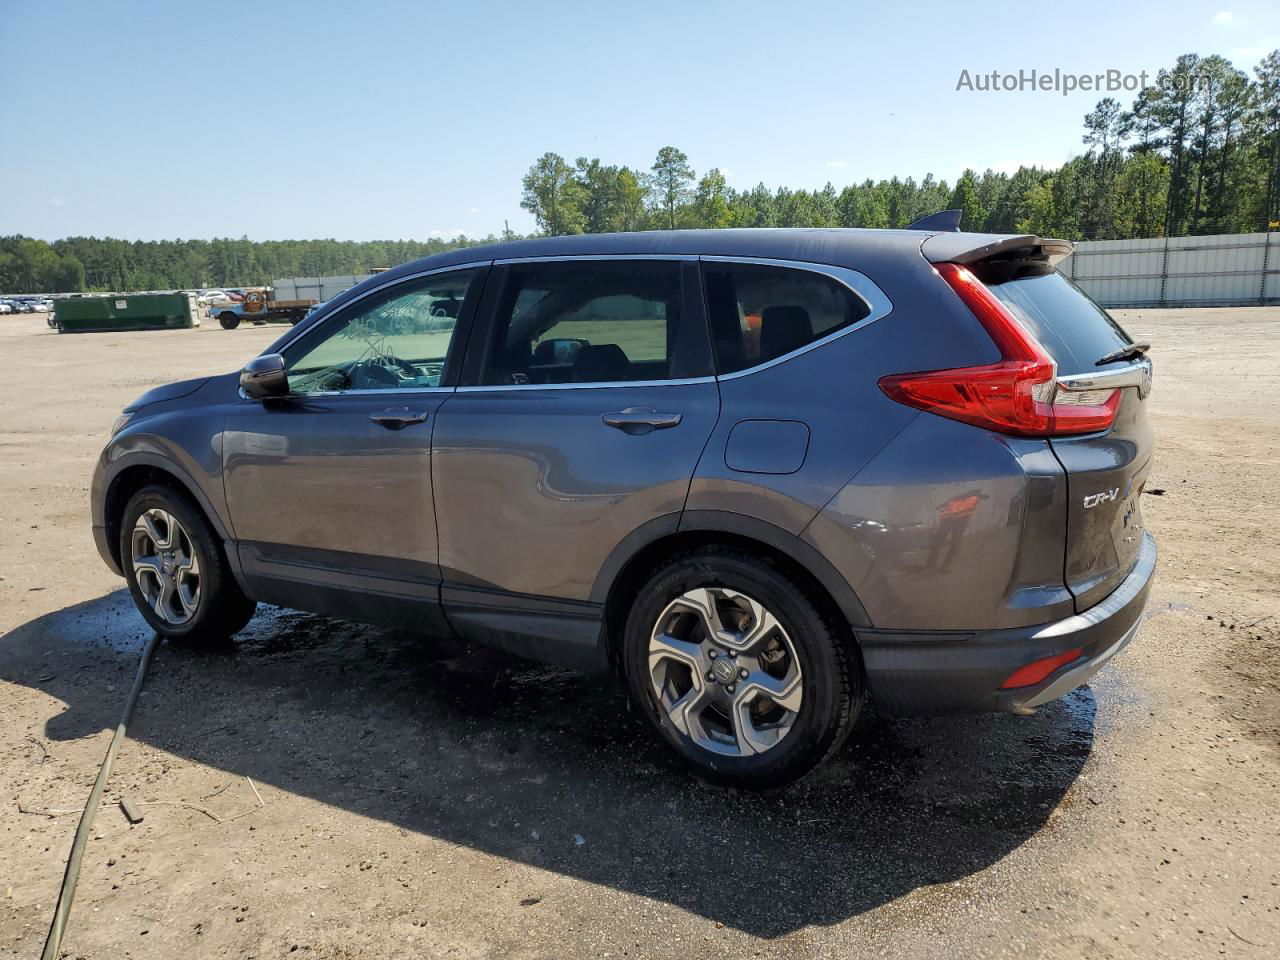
1035 671
1015 395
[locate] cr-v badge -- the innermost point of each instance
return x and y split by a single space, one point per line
1106 496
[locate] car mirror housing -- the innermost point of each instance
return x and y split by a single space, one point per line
264 377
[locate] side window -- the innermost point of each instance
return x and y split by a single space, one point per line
758 312
395 340
587 322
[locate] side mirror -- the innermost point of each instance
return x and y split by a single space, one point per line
264 377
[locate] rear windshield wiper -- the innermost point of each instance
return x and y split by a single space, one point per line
1128 350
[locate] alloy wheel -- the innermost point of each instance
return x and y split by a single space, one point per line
725 671
166 566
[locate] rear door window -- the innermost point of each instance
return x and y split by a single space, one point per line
759 313
1075 330
605 321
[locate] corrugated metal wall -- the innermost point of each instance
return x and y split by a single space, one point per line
1226 270
314 288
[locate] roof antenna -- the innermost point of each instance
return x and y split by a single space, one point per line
948 221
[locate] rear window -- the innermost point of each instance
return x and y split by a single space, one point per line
1075 330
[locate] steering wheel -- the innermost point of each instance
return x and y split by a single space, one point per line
381 371
404 366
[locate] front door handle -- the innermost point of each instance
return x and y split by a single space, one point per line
640 420
398 417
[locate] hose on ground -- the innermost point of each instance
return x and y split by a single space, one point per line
62 910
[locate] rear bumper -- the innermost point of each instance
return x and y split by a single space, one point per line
923 672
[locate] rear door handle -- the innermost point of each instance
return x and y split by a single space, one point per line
398 417
641 420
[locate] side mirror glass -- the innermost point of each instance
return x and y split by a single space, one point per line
264 377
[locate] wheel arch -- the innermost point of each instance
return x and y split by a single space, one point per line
142 471
632 561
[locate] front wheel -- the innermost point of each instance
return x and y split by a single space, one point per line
177 574
228 320
737 669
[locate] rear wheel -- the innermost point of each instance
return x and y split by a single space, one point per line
228 320
738 670
177 574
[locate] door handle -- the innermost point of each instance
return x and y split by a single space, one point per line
398 417
640 420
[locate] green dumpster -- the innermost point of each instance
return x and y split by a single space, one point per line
126 311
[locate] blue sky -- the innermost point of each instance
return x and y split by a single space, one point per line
386 120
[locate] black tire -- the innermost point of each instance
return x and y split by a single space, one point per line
221 608
831 671
228 320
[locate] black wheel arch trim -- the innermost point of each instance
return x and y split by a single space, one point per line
739 525
145 458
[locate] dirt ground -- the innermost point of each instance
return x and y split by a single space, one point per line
421 798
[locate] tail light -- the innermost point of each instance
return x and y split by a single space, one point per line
1017 395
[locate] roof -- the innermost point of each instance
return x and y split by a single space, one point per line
834 245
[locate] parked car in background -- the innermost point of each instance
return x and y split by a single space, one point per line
5 307
758 474
213 296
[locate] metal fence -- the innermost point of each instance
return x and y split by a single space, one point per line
1226 270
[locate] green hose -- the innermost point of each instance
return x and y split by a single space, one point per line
63 909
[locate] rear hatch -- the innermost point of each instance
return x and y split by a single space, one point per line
1096 365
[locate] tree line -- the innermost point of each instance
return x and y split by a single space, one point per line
91 263
1197 152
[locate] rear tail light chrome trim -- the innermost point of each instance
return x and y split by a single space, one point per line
1134 375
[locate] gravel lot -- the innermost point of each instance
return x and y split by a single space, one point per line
423 798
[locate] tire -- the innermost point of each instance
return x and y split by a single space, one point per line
204 604
228 320
734 732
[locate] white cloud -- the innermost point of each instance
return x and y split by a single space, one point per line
448 234
473 210
1223 17
836 164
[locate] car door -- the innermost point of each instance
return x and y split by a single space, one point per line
329 489
585 405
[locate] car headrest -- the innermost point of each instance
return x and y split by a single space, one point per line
601 363
783 328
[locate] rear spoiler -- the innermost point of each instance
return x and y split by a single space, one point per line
973 247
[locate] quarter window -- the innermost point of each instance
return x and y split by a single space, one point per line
759 313
395 340
602 321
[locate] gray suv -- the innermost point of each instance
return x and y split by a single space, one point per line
760 475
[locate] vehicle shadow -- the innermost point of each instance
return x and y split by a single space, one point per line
519 760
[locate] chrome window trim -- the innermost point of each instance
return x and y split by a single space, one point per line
859 284
363 392
1135 375
302 334
602 385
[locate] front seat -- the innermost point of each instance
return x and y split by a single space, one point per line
783 328
602 363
